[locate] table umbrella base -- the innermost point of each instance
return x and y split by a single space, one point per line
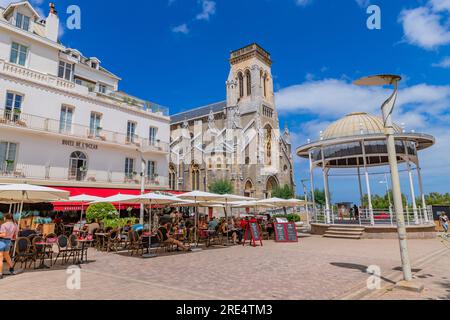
196 249
149 256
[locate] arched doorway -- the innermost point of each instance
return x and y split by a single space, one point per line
272 183
248 191
172 177
78 166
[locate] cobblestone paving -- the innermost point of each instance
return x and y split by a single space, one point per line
315 268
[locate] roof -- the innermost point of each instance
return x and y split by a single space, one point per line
356 123
198 112
21 3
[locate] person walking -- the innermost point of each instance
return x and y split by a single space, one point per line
444 223
8 231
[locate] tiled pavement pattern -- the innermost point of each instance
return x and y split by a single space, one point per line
315 268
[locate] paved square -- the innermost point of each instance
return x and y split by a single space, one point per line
315 268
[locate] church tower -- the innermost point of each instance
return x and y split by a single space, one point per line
250 83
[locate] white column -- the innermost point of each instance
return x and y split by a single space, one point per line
325 183
360 187
369 192
411 185
422 194
311 177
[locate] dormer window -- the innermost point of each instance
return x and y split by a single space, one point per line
22 22
102 88
94 65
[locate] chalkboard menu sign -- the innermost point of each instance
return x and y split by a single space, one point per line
286 232
253 233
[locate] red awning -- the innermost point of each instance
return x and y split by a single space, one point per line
104 193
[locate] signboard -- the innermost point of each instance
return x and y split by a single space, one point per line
286 232
80 145
253 233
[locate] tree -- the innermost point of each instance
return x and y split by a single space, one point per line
285 192
436 199
319 196
100 211
382 202
221 186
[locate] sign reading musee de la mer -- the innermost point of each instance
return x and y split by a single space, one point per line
80 145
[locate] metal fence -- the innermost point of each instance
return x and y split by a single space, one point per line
367 217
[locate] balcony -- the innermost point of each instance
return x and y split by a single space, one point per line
17 119
64 176
117 98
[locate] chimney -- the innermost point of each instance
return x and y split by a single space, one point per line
52 24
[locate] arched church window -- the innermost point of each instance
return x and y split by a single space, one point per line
195 174
248 76
172 178
241 84
265 85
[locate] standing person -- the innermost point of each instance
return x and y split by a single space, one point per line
444 222
356 212
8 231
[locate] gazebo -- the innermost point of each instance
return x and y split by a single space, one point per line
357 142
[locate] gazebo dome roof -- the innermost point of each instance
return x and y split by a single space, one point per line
355 124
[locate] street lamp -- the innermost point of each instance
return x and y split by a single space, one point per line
387 110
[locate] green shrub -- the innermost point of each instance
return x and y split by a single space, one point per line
289 217
117 223
100 211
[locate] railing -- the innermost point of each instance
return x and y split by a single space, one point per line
18 119
51 80
55 173
380 217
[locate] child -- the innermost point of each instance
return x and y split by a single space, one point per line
444 222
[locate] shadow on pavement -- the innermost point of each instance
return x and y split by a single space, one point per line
358 267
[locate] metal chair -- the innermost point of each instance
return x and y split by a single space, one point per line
63 248
23 252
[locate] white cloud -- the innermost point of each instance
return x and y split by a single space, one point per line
427 26
423 108
303 3
182 28
208 10
444 63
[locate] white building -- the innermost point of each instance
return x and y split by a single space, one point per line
63 120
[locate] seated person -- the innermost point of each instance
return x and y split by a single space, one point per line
128 226
228 230
26 232
40 229
212 225
166 237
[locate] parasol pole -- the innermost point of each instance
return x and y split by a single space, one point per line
18 225
150 229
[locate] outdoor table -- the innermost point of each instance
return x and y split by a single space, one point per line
84 250
46 246
102 236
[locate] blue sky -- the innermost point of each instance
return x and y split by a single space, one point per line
175 52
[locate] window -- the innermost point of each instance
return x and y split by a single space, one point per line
7 156
172 178
95 124
22 22
65 70
78 166
241 84
151 170
195 175
18 54
248 76
13 107
94 65
102 88
152 136
65 120
129 168
131 131
265 85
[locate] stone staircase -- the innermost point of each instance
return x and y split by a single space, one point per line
345 232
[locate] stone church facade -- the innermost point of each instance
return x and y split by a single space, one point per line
238 139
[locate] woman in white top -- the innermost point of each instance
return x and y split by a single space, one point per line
8 231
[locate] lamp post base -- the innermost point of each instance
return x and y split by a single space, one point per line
412 286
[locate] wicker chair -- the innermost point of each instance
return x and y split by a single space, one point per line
24 252
113 241
63 249
74 250
134 243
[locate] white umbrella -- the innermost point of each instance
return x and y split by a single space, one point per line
118 198
150 199
83 199
26 193
199 196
